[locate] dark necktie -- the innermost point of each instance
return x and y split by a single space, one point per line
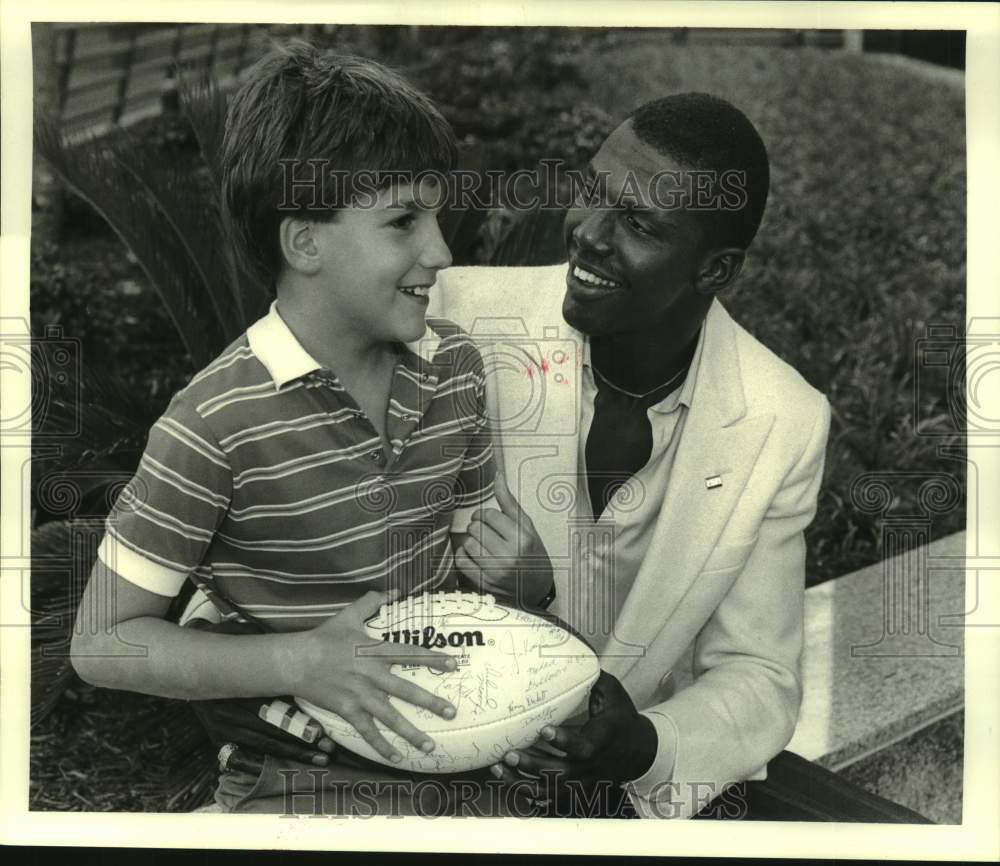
620 439
619 443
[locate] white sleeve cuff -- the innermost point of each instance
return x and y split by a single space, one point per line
461 517
662 768
137 569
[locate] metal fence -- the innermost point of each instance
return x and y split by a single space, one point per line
93 76
103 74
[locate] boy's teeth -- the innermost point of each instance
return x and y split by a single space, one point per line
591 279
419 291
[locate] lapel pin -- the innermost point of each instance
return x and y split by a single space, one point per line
713 481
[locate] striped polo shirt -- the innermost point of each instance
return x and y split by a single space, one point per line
268 486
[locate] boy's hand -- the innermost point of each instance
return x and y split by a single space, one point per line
344 670
502 549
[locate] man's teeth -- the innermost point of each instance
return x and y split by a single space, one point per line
592 279
419 291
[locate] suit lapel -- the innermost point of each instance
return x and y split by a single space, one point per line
717 440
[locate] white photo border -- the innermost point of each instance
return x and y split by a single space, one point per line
976 838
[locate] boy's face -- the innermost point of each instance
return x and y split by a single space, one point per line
378 263
646 254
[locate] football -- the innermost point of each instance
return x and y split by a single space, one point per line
516 673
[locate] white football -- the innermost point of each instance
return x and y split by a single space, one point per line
516 673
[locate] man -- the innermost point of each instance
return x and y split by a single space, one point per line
718 443
669 462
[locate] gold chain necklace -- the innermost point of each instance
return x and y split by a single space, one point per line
620 390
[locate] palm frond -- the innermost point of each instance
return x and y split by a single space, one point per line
95 169
184 755
96 428
203 103
519 237
533 238
190 208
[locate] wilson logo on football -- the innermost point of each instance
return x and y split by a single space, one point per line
430 637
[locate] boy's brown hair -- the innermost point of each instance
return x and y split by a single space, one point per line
347 113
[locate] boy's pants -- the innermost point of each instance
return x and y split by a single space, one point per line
353 786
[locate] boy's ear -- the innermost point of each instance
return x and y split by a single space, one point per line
719 269
298 245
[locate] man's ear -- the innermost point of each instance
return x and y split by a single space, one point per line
719 269
298 245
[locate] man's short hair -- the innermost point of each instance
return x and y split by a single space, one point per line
349 113
700 131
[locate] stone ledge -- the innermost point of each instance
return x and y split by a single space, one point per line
878 664
921 68
922 772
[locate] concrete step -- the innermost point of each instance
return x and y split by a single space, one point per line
883 675
922 771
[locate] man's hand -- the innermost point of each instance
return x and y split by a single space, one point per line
344 670
502 549
238 721
615 745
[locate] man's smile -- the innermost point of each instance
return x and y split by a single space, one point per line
587 282
593 279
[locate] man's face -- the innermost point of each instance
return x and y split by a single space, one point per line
378 263
631 268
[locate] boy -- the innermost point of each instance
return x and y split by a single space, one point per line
335 454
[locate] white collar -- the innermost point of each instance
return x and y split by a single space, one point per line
426 347
284 357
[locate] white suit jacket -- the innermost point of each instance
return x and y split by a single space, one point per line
709 639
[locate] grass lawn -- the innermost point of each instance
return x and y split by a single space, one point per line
862 247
